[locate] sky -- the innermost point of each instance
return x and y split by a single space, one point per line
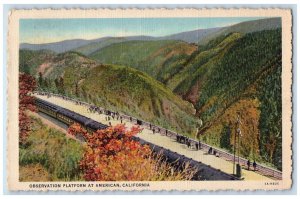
36 31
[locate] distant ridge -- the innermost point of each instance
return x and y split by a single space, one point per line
245 27
190 36
200 36
89 46
58 47
68 45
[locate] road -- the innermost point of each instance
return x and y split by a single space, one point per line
160 140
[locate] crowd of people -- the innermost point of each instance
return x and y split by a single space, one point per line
253 164
188 142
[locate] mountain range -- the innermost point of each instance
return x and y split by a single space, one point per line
89 46
201 36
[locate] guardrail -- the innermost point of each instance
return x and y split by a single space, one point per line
264 170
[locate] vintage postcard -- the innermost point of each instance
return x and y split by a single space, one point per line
149 99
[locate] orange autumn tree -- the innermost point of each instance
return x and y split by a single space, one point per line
112 155
27 84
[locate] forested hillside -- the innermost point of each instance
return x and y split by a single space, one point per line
159 59
93 47
117 88
243 78
30 61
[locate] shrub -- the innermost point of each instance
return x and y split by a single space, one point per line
59 155
112 155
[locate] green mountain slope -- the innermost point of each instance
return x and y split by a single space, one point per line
95 46
30 61
202 63
118 88
159 59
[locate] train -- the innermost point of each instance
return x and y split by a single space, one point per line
205 172
68 117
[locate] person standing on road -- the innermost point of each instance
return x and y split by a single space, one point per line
177 138
188 143
210 150
248 164
254 165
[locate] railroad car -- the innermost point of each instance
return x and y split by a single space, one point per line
68 117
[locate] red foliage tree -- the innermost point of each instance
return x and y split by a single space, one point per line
27 84
112 154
